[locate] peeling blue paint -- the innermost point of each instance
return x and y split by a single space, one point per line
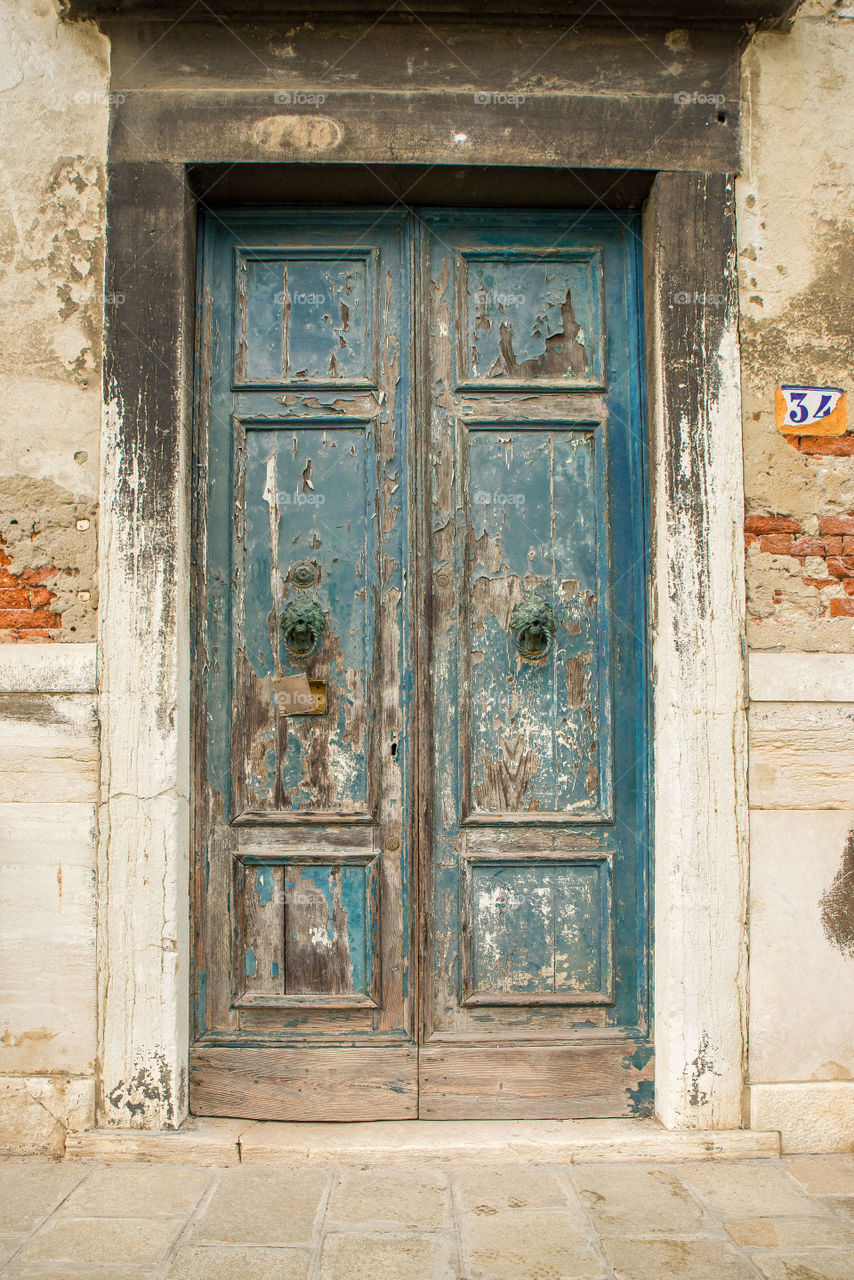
264 880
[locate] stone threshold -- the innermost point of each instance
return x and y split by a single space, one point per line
209 1141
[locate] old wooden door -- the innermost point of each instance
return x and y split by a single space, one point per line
535 917
421 848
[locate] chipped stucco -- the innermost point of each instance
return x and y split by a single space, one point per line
796 256
53 108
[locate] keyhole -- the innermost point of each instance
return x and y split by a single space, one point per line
393 749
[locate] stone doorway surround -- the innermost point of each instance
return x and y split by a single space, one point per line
162 138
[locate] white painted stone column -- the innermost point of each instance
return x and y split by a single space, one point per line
700 743
144 823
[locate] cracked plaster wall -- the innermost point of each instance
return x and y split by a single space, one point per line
796 262
796 259
53 121
53 116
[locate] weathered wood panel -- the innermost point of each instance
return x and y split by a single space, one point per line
586 130
305 1084
530 318
536 498
766 11
542 1082
537 932
302 873
539 732
296 763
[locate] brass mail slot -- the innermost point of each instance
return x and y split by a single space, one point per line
299 696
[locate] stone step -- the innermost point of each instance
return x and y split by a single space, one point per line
224 1142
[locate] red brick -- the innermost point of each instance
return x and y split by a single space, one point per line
25 637
777 543
842 608
848 586
830 446
836 524
806 547
7 579
27 618
749 539
14 598
821 583
848 545
41 596
841 566
833 546
36 577
770 524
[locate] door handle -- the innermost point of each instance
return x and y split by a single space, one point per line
533 625
303 627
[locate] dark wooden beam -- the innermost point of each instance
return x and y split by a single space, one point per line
506 12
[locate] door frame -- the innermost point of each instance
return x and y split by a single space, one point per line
696 609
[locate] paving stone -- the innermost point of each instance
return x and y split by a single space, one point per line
106 1241
841 1206
817 1264
354 1256
239 1262
625 1200
747 1190
675 1260
139 1190
52 1271
30 1188
488 1189
260 1205
416 1198
789 1233
528 1244
8 1247
824 1176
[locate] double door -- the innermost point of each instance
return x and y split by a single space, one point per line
421 849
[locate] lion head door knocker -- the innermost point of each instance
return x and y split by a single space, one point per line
533 626
303 627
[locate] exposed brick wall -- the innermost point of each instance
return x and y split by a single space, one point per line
24 603
826 446
830 554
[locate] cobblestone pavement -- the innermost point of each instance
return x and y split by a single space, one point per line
790 1219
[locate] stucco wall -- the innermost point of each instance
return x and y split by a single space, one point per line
796 258
796 254
53 119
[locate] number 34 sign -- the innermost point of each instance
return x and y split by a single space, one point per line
811 411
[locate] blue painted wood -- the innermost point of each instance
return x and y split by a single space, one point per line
303 400
538 487
535 898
